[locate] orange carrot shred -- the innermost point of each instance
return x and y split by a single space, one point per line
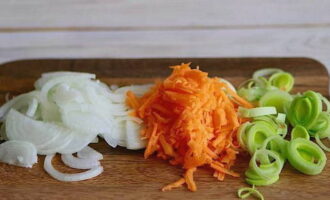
191 120
189 177
176 184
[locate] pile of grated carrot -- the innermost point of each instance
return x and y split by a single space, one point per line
191 120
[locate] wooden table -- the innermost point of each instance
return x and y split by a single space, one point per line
166 28
127 175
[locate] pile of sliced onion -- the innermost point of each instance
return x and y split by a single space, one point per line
65 113
19 153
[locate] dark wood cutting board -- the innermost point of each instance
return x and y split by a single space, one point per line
127 175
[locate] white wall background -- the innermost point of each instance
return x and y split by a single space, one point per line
164 28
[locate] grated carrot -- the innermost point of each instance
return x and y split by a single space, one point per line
191 120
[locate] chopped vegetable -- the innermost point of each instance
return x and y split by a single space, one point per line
306 156
321 126
282 80
19 153
66 112
268 92
321 144
79 163
89 153
190 120
48 138
270 87
245 192
256 112
252 135
305 109
279 99
91 173
299 132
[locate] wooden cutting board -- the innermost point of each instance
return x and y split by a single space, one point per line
127 175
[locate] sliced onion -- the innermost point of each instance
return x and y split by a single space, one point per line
17 103
88 122
20 127
231 86
44 91
67 73
96 140
79 163
139 90
19 153
119 133
95 171
56 144
113 142
133 137
114 87
64 94
79 141
45 77
89 153
41 134
117 98
32 109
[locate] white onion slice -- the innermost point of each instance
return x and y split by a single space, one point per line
57 144
79 141
67 73
19 153
139 90
50 112
56 81
118 134
129 118
64 94
113 142
231 86
133 137
20 127
89 153
117 98
45 77
17 103
42 134
88 122
95 140
114 87
95 171
79 163
32 109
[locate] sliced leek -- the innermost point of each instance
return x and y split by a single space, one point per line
299 132
306 156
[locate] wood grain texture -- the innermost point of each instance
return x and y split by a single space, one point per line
127 175
294 42
146 28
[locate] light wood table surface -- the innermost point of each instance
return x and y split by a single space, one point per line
164 28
